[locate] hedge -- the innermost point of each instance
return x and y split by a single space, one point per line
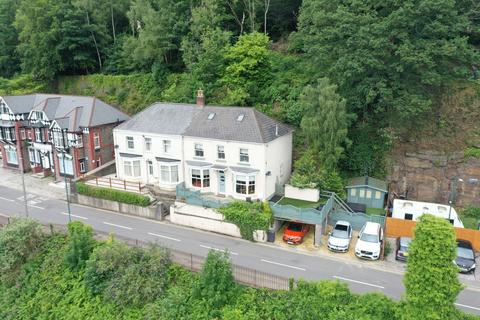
114 195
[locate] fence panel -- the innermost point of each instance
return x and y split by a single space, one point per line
357 220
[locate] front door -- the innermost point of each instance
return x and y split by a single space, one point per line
221 182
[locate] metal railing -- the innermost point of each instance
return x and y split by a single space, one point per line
307 215
195 197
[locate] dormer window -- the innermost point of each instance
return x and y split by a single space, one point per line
240 117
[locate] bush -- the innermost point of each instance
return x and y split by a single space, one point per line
471 152
248 216
216 285
19 240
80 245
111 194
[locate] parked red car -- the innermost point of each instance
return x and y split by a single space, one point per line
295 232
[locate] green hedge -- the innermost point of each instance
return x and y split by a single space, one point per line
248 217
114 195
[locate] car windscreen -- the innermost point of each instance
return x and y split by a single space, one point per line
465 253
295 227
340 231
369 237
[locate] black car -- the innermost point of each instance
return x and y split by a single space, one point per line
465 259
402 248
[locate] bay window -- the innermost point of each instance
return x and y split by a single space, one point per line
132 168
245 184
168 173
200 178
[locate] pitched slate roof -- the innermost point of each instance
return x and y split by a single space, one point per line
70 112
214 122
368 181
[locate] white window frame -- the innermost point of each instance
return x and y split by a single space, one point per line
368 194
361 193
150 167
205 178
11 154
82 166
134 168
244 157
378 195
353 192
129 139
221 152
167 146
8 134
169 173
38 135
198 150
79 141
23 136
250 181
148 144
96 140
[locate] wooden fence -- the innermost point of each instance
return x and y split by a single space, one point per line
404 228
114 183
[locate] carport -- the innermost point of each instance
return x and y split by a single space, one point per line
311 216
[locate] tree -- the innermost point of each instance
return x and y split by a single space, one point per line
216 285
248 69
390 59
204 46
431 280
80 245
325 122
9 62
19 240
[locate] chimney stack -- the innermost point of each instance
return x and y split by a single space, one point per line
200 99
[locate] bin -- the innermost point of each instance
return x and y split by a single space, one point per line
271 235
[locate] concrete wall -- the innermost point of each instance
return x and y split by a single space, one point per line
151 212
207 219
305 194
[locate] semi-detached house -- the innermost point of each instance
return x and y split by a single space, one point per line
227 151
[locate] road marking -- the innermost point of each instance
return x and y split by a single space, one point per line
74 215
216 249
33 206
465 306
283 265
160 236
117 225
6 199
359 282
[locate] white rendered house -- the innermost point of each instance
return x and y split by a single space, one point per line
227 151
413 210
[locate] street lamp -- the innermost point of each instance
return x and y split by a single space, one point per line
60 143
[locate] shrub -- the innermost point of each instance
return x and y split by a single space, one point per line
216 285
248 216
471 152
80 245
19 240
114 195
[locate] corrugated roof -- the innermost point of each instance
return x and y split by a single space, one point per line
228 123
368 181
76 111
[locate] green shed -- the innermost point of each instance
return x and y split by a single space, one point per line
368 191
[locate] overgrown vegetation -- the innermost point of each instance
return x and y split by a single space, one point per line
472 152
470 217
112 194
119 282
248 216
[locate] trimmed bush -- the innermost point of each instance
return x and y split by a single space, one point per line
114 195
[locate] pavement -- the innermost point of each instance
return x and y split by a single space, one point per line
361 277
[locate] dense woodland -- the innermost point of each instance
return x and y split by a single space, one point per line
350 75
49 275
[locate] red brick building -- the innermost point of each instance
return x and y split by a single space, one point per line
32 127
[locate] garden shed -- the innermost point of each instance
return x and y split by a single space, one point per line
368 191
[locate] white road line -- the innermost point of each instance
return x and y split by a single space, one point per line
117 225
6 199
283 265
160 236
74 215
33 206
359 282
216 249
465 306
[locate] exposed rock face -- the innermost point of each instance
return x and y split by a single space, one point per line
428 175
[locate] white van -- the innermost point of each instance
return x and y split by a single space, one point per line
369 243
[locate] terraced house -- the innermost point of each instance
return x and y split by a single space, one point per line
226 151
57 134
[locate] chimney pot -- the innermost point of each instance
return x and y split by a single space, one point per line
200 98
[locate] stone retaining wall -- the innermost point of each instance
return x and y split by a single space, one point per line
150 212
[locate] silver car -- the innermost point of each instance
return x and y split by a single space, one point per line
339 238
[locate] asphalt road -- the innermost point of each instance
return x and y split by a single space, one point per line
263 257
